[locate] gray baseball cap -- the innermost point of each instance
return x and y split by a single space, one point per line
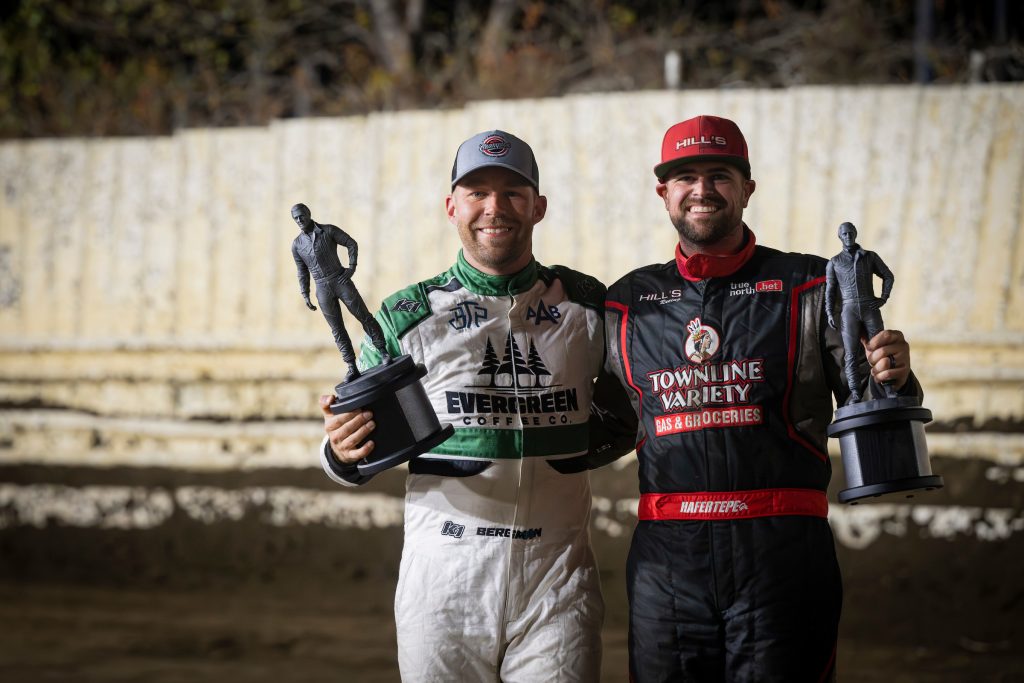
495 148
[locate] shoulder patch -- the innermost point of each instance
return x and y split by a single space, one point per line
406 305
407 308
581 288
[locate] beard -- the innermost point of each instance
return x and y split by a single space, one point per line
496 256
708 230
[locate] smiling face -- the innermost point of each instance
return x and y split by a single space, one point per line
705 201
494 210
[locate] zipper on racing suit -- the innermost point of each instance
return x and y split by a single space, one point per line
702 287
510 547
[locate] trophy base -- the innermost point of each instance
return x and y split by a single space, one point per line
406 423
883 448
929 483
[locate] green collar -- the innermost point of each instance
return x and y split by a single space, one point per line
494 285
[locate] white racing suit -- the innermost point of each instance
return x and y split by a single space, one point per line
497 580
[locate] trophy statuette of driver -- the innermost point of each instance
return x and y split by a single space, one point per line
406 422
882 440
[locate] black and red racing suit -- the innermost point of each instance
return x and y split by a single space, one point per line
731 366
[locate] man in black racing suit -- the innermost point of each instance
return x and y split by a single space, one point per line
731 367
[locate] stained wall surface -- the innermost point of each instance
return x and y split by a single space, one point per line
158 367
148 282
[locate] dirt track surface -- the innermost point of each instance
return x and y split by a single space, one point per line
68 632
932 594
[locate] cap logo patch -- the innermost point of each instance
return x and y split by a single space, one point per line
495 146
713 140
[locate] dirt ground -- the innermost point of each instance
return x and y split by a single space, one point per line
245 599
274 633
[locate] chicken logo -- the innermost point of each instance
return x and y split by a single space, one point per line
701 342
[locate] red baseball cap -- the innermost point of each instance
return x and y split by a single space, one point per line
703 138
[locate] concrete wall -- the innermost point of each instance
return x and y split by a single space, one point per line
148 282
159 372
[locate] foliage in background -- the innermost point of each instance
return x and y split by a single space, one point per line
141 67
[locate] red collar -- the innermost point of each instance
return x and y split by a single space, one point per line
702 266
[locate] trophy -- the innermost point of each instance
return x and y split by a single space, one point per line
882 441
406 422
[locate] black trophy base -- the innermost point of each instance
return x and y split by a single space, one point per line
406 423
883 448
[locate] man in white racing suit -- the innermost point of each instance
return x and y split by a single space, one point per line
497 579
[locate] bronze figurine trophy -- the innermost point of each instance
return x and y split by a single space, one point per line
406 422
882 440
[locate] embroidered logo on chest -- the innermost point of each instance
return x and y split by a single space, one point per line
702 342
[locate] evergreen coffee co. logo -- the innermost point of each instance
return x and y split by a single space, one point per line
514 373
517 391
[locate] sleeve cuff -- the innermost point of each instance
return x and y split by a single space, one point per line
342 473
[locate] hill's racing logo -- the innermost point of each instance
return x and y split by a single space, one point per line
495 146
693 140
517 384
702 342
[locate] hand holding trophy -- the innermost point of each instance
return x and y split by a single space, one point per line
406 422
882 440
